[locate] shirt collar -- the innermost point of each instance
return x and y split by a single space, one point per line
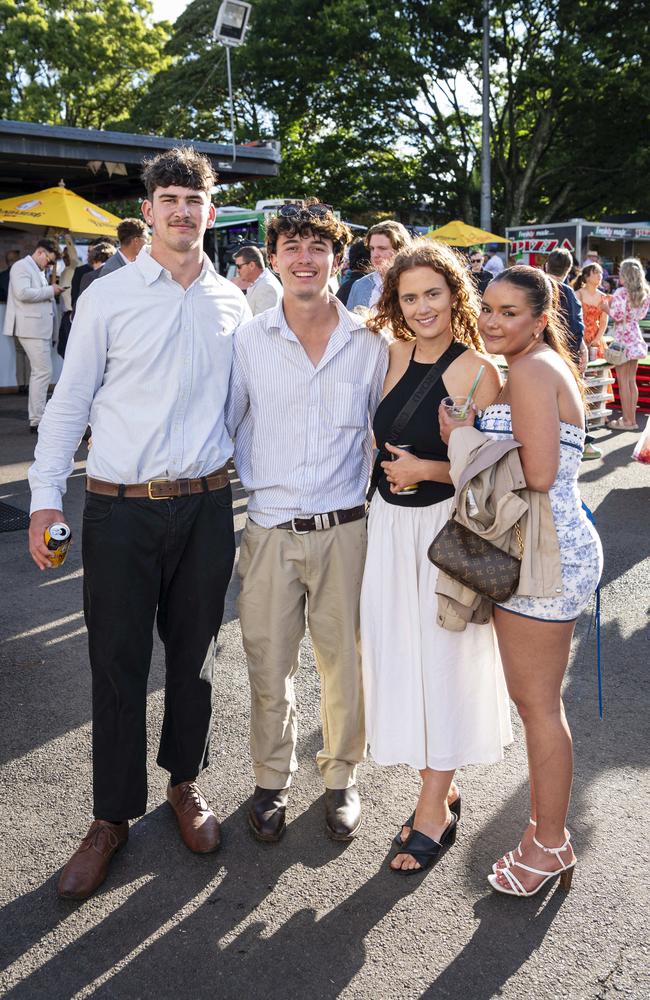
35 266
151 269
276 320
257 280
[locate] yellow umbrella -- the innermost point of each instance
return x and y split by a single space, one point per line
58 208
459 234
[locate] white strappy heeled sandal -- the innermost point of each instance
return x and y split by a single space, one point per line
509 859
515 888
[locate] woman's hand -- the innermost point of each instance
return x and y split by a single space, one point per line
404 470
448 424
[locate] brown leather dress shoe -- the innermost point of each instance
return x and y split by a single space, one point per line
199 826
88 866
342 812
266 816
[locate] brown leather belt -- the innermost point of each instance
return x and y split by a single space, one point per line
321 522
161 489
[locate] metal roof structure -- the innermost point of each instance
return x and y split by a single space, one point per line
105 166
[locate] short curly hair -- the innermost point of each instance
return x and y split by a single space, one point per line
443 260
181 166
329 227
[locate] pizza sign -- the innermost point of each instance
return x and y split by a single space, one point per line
541 246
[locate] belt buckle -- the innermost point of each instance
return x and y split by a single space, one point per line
297 531
169 496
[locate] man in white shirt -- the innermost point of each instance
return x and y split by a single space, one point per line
30 318
147 365
307 378
264 290
384 241
493 264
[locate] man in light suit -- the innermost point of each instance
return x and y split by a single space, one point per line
30 318
264 290
133 235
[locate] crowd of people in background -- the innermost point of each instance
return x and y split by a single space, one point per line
587 292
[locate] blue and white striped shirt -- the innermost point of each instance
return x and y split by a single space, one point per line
303 435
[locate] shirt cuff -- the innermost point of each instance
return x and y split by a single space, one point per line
46 498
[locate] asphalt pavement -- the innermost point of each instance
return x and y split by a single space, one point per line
308 918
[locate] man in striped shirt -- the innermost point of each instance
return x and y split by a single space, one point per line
307 377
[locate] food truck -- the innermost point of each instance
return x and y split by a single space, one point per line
531 244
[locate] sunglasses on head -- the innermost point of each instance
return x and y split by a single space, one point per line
310 211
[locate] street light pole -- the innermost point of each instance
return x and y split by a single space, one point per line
232 105
486 185
230 31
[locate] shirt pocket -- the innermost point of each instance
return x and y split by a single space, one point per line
347 403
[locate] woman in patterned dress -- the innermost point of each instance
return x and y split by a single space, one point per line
541 406
629 304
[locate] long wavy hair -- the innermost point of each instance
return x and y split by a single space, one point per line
543 296
465 303
638 290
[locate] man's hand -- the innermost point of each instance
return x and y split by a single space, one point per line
39 521
57 290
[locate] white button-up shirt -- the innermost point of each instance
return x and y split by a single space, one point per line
147 365
303 440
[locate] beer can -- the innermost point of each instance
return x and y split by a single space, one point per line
593 354
57 539
413 488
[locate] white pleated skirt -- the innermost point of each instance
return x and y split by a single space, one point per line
434 698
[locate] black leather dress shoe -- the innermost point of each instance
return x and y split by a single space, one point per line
266 814
342 812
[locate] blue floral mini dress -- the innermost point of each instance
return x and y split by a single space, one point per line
581 554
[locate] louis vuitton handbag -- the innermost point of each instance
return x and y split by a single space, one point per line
475 562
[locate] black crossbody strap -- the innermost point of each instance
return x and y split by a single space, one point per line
433 375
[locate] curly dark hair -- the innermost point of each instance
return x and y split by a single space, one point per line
181 166
328 227
443 260
543 296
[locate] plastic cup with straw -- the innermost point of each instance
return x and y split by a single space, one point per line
458 406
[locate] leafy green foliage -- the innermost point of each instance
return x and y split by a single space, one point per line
376 102
76 62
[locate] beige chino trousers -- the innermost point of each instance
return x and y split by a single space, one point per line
284 575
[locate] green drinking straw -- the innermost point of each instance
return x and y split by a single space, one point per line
471 392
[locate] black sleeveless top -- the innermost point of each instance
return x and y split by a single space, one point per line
422 431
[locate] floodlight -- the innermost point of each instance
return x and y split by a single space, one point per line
232 23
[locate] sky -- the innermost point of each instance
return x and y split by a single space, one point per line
168 10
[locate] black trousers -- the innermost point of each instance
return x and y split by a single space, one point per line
145 562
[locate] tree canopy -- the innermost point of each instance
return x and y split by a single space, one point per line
76 62
376 103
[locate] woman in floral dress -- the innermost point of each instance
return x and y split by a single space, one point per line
629 304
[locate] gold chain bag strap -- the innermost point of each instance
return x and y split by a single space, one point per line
475 562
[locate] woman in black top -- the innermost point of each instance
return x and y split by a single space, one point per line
435 699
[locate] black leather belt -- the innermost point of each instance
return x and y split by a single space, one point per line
321 522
